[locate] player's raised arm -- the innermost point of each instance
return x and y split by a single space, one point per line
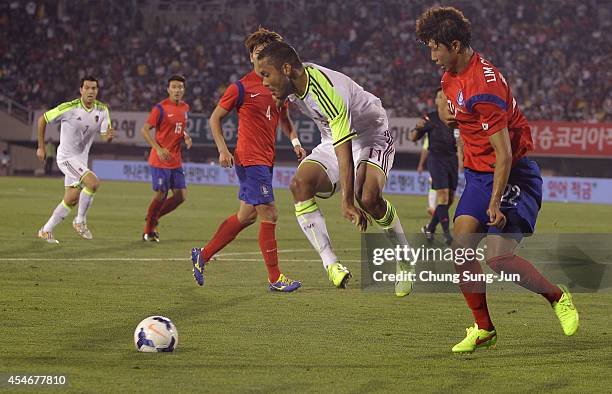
225 157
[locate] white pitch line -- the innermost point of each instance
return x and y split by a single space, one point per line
216 257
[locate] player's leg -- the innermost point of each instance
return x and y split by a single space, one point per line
520 205
317 175
268 216
179 193
469 226
90 184
160 180
227 230
71 197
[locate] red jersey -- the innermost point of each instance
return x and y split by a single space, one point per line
258 118
481 101
169 120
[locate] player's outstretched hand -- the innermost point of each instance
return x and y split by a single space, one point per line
496 217
40 153
356 216
299 152
164 154
188 140
226 159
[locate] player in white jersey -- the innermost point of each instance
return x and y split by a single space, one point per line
81 119
356 150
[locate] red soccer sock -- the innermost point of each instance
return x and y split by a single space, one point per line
269 250
152 215
170 205
225 234
530 278
475 294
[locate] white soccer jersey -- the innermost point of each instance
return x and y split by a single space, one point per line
339 106
79 126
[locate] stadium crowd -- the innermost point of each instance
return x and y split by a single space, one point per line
556 55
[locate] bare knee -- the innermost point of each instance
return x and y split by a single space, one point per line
267 213
301 188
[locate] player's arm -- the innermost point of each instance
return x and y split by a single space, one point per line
225 157
163 153
448 118
106 128
495 124
419 130
460 154
342 136
289 130
42 125
422 160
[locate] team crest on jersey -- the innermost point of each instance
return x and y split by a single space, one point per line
460 99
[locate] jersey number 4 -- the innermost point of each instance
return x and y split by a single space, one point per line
268 113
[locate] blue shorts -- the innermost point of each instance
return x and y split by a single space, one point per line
520 203
164 179
255 184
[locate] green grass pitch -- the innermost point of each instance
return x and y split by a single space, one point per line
72 308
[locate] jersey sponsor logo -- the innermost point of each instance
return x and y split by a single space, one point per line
79 118
170 115
460 99
97 118
255 94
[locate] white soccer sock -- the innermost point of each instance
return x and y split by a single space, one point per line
85 201
391 226
312 223
61 211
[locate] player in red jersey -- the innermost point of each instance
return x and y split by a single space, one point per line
169 119
503 191
258 117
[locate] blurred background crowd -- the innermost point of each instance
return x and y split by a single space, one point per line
557 55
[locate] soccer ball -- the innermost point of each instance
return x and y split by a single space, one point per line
156 334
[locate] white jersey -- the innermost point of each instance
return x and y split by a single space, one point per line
339 106
79 126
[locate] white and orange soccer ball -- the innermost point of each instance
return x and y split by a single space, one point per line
156 334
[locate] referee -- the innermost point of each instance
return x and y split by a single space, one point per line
442 163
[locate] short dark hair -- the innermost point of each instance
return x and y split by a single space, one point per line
280 53
91 79
261 36
444 25
176 77
436 92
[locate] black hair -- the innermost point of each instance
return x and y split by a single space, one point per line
91 79
176 77
280 53
444 25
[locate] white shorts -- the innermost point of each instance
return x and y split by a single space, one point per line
74 170
376 150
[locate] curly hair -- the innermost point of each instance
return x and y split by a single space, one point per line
444 25
261 36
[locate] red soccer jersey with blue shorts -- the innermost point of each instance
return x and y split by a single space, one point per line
258 118
169 120
482 103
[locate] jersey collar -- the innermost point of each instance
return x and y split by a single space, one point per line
307 83
85 108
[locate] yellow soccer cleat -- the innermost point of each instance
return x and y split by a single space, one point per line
404 286
566 312
474 339
339 275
